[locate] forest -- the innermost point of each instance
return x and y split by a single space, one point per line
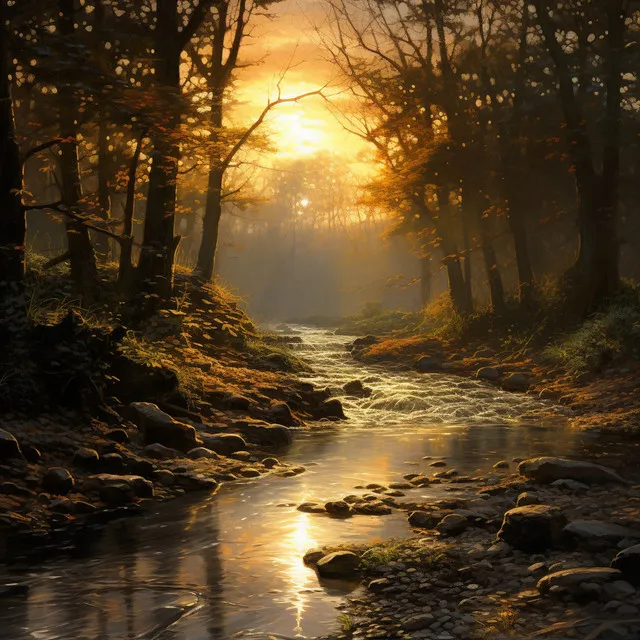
331 305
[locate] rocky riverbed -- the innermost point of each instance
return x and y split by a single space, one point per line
550 552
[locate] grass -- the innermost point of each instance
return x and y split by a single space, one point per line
347 625
605 339
401 550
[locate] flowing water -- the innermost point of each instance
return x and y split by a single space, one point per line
231 565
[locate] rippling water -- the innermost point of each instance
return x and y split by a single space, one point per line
230 566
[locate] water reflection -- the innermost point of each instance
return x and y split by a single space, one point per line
232 566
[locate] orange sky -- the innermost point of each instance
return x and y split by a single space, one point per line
308 126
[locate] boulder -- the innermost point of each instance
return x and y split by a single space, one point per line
118 435
190 481
567 484
224 443
502 464
313 555
270 463
268 435
165 477
311 507
628 563
527 498
596 533
516 382
280 413
418 622
338 508
117 494
361 343
488 373
31 454
112 463
571 580
9 447
200 453
452 525
140 487
372 508
332 408
157 426
86 458
423 519
428 364
58 481
238 403
548 469
356 389
340 564
160 452
533 528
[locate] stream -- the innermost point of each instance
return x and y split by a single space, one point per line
230 566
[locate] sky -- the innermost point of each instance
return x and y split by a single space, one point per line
289 40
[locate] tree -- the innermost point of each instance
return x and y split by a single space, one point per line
596 272
12 214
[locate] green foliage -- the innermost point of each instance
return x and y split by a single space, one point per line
375 319
604 339
396 550
279 357
346 623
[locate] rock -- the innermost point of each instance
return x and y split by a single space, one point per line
503 464
160 452
527 498
238 403
9 447
488 373
570 485
332 408
190 481
438 463
372 509
118 435
224 443
338 508
533 528
423 520
427 364
595 532
356 389
313 555
619 590
117 494
361 343
549 469
572 579
379 585
452 525
516 382
200 453
141 487
137 466
112 463
281 414
311 507
418 622
274 435
86 458
165 477
58 481
628 563
270 463
31 454
12 489
340 564
158 427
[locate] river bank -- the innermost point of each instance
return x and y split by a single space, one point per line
231 564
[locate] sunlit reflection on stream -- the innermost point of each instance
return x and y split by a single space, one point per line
231 566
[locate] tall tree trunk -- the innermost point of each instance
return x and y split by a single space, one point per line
458 289
210 225
155 268
81 256
12 214
102 242
597 265
213 211
425 280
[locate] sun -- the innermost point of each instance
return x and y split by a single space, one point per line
298 135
